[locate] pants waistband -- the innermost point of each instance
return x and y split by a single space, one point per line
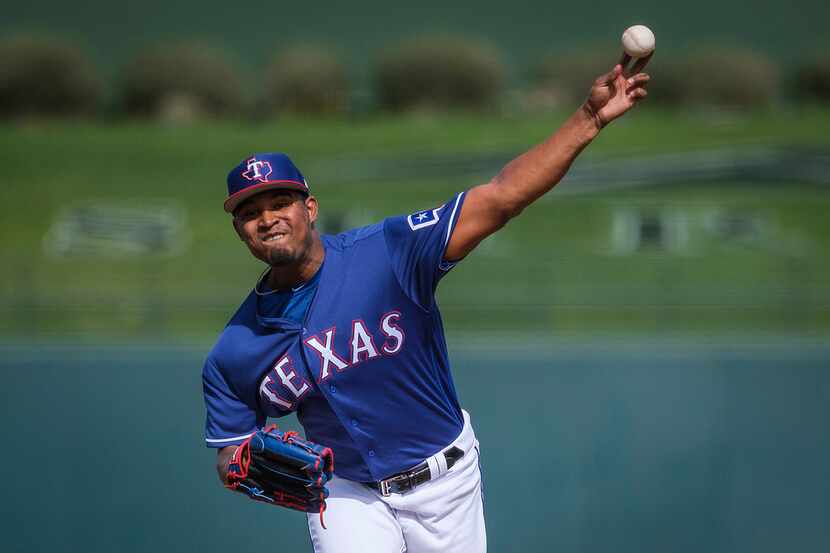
433 467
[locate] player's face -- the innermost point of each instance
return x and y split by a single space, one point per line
277 226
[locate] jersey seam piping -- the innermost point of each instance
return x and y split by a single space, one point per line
447 265
397 277
222 440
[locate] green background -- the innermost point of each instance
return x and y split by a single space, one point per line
553 270
654 398
624 402
361 28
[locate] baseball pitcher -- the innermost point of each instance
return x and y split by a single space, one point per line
344 330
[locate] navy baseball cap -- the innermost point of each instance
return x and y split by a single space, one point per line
262 172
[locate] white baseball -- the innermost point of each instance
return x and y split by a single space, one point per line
638 41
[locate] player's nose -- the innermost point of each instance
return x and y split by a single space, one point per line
267 218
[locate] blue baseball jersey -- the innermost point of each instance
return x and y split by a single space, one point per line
367 369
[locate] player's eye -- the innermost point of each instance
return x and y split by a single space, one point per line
247 214
280 205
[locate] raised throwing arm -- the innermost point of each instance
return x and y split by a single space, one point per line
489 206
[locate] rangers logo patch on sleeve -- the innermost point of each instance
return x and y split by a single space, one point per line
421 219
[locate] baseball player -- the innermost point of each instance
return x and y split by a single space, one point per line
344 330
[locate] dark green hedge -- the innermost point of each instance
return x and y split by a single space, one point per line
46 77
307 79
439 72
181 80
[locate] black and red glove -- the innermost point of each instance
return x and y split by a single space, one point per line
281 468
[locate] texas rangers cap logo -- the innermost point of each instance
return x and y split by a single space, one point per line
257 170
261 172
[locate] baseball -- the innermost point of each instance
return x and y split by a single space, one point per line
638 41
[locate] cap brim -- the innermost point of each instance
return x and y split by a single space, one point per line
234 200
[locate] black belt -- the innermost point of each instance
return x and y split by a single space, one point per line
405 481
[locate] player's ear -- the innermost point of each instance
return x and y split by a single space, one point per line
311 206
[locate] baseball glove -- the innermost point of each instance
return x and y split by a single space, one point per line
281 468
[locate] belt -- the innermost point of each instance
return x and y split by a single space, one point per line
405 481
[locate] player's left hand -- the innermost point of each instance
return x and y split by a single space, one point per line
616 92
281 468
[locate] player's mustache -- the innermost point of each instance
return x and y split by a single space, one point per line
274 229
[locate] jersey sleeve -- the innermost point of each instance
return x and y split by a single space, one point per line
416 245
228 421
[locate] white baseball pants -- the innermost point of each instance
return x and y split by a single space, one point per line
443 515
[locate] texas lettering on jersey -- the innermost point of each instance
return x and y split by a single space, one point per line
363 346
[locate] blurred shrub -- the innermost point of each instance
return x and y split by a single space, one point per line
181 81
812 79
439 72
565 79
727 77
716 76
44 76
306 79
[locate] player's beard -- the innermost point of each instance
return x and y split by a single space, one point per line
279 257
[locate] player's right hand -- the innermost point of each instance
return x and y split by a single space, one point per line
614 93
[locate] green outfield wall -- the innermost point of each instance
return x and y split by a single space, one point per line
610 445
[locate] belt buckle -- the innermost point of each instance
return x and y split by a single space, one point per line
384 486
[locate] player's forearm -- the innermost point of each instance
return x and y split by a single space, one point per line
535 172
490 206
222 460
